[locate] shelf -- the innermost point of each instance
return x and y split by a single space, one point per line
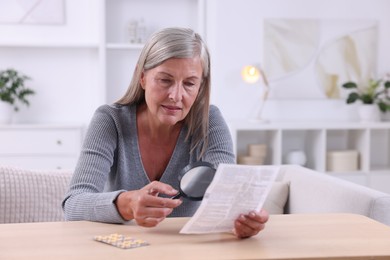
306 125
124 46
172 13
38 126
270 138
85 45
316 139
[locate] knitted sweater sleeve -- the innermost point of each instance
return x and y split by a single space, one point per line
220 146
85 199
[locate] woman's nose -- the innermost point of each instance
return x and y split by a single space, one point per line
176 92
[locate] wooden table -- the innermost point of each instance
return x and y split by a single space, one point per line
305 236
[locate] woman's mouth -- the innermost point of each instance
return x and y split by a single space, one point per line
171 108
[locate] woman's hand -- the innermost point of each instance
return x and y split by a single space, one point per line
144 205
251 224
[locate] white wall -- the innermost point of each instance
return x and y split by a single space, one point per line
234 36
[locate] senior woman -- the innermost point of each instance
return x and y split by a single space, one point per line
135 148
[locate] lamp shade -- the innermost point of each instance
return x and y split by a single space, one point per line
250 74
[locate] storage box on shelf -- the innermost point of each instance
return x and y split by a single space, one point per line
369 141
255 156
40 146
342 161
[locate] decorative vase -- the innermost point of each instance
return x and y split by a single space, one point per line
296 157
369 113
6 111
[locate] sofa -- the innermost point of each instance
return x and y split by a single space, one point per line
36 196
310 191
32 195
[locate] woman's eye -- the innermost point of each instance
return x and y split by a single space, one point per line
189 84
165 81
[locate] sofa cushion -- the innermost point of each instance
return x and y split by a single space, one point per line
277 198
32 195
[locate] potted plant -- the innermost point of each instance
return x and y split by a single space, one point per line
12 92
375 95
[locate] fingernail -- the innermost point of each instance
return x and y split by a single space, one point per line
252 214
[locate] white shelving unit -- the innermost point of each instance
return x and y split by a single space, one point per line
119 57
371 140
40 146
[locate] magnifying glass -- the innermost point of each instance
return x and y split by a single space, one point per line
194 180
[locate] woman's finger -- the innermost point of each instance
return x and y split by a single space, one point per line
152 201
251 224
157 187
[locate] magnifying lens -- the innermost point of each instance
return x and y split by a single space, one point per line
194 180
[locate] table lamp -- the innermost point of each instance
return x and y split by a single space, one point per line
251 74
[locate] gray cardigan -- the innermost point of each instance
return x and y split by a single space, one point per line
110 163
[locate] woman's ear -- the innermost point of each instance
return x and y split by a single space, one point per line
142 80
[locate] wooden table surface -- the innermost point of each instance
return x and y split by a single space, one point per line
298 236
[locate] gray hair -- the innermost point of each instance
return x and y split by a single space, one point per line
176 43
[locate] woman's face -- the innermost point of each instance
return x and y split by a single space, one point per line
171 89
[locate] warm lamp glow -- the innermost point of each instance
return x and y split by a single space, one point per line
250 74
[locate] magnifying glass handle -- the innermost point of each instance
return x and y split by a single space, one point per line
178 195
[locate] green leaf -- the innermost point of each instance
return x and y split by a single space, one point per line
387 84
350 85
352 98
382 106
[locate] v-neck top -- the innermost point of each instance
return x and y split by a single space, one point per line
110 163
178 149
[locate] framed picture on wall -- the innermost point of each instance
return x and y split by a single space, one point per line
311 58
32 12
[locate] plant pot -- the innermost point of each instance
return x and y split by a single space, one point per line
369 113
6 112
